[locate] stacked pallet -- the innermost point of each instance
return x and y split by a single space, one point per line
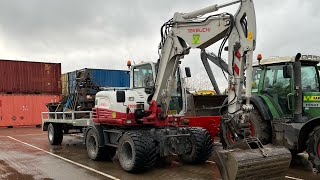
25 89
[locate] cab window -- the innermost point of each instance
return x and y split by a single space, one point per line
256 74
309 78
274 80
142 76
176 103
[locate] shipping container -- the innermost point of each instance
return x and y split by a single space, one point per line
24 109
30 77
64 83
103 78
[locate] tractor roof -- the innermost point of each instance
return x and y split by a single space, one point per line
284 59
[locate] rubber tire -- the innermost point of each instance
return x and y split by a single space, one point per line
57 135
312 147
143 152
95 151
262 128
202 146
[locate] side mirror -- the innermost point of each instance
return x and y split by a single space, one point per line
121 96
188 72
287 71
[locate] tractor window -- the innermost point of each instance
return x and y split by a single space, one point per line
142 76
255 78
277 87
274 80
309 78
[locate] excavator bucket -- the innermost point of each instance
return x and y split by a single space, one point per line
267 163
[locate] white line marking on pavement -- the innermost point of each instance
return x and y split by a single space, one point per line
289 177
65 159
212 162
26 135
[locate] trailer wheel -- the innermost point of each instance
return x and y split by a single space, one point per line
136 152
55 134
95 151
313 147
202 146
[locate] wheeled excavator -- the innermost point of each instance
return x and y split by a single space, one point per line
135 122
192 30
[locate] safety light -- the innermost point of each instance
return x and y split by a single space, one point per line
129 63
259 57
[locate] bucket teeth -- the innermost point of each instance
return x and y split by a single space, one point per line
251 164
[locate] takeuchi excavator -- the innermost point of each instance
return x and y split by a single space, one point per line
246 158
134 122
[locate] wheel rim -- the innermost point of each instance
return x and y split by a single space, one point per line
229 136
50 134
252 133
319 148
189 146
92 144
127 152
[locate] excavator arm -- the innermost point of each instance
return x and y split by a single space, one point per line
246 158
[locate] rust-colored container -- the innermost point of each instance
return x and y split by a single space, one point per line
30 77
64 83
24 110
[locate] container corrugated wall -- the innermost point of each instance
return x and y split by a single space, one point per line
64 83
24 110
30 77
103 77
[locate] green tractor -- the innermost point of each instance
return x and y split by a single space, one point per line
286 99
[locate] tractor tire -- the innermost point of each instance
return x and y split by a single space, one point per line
260 127
136 152
202 146
96 151
313 147
55 134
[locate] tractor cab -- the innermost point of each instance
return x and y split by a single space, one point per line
273 80
143 78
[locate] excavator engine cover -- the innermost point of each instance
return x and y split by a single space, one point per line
253 164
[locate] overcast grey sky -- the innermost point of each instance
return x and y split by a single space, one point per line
106 33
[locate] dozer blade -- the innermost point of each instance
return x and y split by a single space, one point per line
252 164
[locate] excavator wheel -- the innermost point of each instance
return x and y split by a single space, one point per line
202 146
313 147
136 152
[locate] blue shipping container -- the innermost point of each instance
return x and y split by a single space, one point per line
102 77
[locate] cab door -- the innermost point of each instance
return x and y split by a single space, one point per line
279 89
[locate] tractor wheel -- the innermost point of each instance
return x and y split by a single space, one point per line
55 134
136 152
260 127
95 151
313 147
202 146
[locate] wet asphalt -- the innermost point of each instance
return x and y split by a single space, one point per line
26 154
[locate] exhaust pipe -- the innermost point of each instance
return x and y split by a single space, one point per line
298 89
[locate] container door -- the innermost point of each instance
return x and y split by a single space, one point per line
7 111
